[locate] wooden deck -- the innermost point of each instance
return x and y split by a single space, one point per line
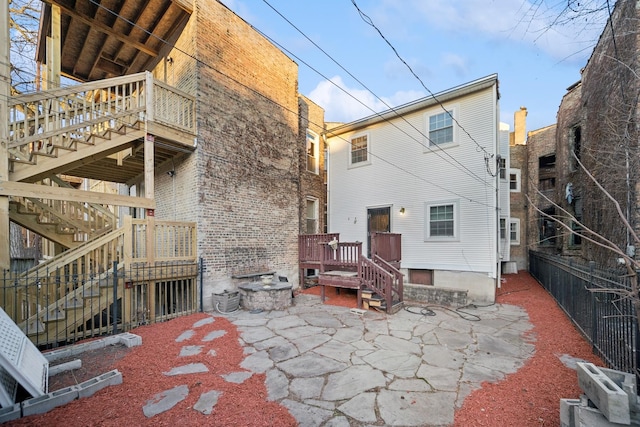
342 265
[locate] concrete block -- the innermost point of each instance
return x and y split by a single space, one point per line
129 340
63 367
10 413
605 394
567 412
90 387
45 403
591 417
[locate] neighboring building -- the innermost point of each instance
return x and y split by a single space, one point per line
313 173
430 171
518 222
215 134
598 126
541 189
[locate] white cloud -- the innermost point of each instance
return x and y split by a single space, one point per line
344 104
557 31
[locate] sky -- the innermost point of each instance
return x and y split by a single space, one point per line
384 53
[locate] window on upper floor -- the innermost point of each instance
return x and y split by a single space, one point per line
502 164
441 130
312 151
514 180
359 150
575 141
441 221
503 228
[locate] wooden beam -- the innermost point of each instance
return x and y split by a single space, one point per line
97 25
5 90
10 188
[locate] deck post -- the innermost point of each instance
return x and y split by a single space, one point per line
126 261
5 83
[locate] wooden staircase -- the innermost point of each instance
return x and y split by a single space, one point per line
66 223
379 283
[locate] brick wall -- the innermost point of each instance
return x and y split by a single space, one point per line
540 142
312 185
610 91
242 182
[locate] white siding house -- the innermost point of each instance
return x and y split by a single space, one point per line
428 170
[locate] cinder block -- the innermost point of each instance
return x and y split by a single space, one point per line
567 412
68 366
42 404
591 417
10 413
605 394
89 387
130 340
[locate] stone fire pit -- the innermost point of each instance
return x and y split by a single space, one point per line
265 296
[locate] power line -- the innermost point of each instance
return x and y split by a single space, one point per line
440 149
369 21
199 61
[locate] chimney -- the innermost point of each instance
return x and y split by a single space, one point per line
519 134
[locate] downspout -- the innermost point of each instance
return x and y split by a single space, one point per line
496 135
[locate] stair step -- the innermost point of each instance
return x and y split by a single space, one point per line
25 162
45 154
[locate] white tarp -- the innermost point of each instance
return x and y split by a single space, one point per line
20 363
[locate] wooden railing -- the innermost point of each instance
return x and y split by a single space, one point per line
44 122
84 221
310 246
159 245
391 284
387 246
346 256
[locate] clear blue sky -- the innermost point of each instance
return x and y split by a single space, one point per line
534 46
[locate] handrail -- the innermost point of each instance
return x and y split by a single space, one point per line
69 114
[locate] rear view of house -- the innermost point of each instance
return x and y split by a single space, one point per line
433 171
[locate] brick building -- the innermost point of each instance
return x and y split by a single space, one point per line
598 124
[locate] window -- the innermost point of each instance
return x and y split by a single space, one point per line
514 231
312 216
312 152
359 147
441 221
547 228
575 137
441 128
514 180
503 228
502 163
576 235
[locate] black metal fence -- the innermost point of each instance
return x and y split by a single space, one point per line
62 307
597 301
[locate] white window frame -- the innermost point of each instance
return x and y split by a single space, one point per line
502 168
456 221
503 228
453 110
316 213
316 151
368 150
514 222
515 172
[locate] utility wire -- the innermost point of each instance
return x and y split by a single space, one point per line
370 22
201 62
402 117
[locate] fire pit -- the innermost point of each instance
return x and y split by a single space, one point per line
265 296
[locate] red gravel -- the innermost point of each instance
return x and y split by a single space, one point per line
529 397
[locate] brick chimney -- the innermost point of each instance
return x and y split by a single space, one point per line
519 134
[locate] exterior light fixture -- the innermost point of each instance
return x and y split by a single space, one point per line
402 211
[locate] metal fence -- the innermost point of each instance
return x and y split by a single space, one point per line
62 307
597 302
